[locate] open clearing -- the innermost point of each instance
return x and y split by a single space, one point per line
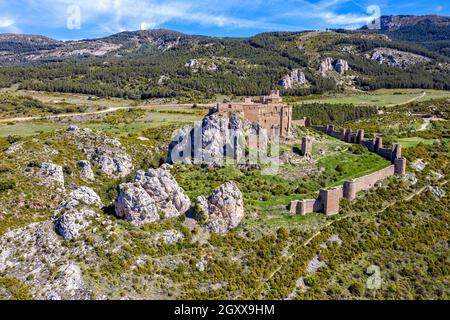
382 97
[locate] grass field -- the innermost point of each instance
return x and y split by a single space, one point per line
382 97
413 141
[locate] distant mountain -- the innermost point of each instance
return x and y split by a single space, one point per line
30 49
431 32
165 63
393 23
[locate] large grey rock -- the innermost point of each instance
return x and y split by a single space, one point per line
72 223
294 78
74 214
152 194
218 139
134 204
86 170
223 209
341 66
51 173
81 196
326 66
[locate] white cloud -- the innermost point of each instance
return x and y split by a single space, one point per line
6 23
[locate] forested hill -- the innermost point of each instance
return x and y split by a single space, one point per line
165 63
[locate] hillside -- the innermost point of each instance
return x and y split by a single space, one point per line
169 64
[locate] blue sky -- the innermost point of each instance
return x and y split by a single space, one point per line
235 18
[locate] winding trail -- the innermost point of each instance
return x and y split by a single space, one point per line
409 101
90 113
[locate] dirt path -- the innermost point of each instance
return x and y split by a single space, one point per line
409 101
103 111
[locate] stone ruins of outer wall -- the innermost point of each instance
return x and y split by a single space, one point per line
329 199
366 182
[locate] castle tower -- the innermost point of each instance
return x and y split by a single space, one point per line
348 135
349 191
359 136
396 151
307 147
377 144
330 199
330 129
308 122
400 166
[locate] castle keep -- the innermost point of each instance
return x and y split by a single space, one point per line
329 199
269 112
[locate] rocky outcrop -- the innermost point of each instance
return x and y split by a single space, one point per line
72 223
341 66
51 173
295 78
86 170
105 153
330 64
168 237
396 58
223 209
134 204
219 138
74 214
153 195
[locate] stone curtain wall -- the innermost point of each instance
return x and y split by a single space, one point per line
328 200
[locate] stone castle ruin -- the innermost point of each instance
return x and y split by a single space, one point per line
270 113
329 199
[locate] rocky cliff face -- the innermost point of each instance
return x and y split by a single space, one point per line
153 195
295 78
396 58
217 139
223 209
330 64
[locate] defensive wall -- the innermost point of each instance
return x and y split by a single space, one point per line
329 199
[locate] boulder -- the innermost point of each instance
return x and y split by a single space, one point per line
52 173
134 204
152 194
74 214
223 209
86 170
72 223
81 196
325 66
169 237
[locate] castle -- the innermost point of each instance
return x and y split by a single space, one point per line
269 112
329 199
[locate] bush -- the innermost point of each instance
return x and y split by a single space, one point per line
356 289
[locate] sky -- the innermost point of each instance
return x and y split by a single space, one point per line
82 19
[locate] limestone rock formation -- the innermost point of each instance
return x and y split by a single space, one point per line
341 66
152 194
330 64
74 214
396 58
134 204
81 196
86 170
295 78
223 209
325 66
73 222
105 153
217 139
52 173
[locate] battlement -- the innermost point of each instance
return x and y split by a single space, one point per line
270 113
329 199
